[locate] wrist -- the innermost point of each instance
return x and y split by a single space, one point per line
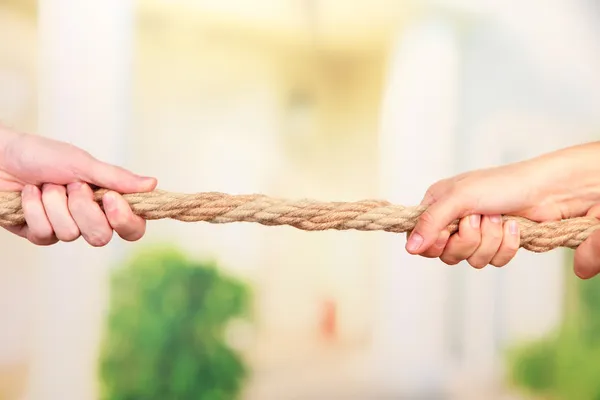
571 177
7 136
587 171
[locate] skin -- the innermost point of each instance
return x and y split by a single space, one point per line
54 179
554 186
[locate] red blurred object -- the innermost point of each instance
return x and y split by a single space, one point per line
329 319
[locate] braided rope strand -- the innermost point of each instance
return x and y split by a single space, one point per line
310 215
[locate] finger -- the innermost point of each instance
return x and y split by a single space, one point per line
587 257
491 239
128 226
435 192
438 247
39 230
54 198
20 230
116 178
431 222
511 240
594 211
87 214
463 244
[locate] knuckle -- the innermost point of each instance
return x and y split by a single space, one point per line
51 189
119 220
97 242
41 240
430 254
508 249
477 263
505 255
426 218
68 235
449 260
499 263
78 189
33 239
98 239
431 195
135 236
40 235
133 231
434 191
442 186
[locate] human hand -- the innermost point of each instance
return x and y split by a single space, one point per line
481 240
561 184
54 179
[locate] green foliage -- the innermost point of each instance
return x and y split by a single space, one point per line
565 365
165 331
534 366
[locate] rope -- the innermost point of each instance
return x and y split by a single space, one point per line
310 215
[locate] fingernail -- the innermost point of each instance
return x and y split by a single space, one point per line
109 201
513 227
475 220
414 242
495 219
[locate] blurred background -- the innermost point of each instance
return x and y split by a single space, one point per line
327 99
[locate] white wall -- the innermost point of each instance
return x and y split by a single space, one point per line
418 133
84 97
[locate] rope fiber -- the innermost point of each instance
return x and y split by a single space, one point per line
310 215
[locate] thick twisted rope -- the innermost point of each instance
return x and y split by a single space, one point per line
310 215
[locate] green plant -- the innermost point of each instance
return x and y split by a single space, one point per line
564 365
534 366
165 331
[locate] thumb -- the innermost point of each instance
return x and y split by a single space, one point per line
115 178
594 211
587 256
431 222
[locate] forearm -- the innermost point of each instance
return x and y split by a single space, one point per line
573 174
7 136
